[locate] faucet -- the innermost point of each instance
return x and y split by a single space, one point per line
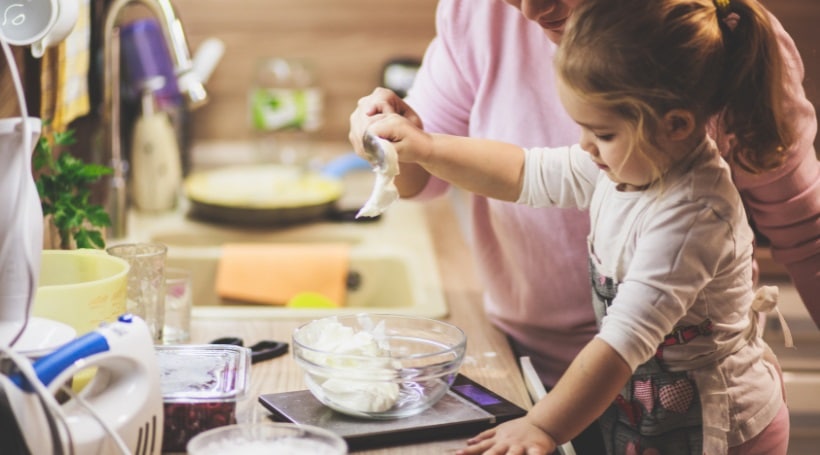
189 84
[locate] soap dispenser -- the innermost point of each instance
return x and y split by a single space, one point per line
156 166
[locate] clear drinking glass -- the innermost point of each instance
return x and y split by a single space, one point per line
146 282
178 301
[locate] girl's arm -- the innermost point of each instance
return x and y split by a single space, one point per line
583 393
586 389
489 168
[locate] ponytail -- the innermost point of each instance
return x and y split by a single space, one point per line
752 87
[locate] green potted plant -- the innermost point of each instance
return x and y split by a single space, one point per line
64 185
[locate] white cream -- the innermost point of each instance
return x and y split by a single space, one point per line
384 190
365 384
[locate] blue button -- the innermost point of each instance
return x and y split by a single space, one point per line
127 317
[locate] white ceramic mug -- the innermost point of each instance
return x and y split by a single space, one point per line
40 23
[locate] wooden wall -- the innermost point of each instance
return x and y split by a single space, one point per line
348 41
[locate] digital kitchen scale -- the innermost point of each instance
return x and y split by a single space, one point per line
467 409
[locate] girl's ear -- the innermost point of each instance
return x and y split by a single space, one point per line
678 124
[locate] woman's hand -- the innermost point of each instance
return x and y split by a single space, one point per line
516 437
381 101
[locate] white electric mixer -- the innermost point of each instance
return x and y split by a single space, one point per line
120 410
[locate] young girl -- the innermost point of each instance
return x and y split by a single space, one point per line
677 366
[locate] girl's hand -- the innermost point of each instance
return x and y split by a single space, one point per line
516 437
412 144
381 101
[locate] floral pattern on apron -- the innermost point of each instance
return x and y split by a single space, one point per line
658 411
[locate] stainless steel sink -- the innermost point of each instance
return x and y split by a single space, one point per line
393 260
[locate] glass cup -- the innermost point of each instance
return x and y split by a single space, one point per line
178 301
146 282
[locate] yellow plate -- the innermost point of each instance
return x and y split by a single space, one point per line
261 187
261 195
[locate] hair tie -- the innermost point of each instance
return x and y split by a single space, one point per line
731 20
722 6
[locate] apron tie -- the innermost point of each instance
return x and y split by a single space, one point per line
765 301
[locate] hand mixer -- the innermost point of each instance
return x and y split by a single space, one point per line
119 410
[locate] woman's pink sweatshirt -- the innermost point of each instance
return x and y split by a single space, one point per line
488 73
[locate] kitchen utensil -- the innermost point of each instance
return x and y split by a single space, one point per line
40 23
267 437
373 147
263 350
120 409
465 410
21 226
378 366
537 391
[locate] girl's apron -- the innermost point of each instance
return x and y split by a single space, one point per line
659 411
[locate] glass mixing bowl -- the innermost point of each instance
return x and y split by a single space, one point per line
379 366
267 438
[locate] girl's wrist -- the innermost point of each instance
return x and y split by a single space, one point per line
548 432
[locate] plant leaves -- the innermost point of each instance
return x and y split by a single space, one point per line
63 184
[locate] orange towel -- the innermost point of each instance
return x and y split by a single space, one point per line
274 273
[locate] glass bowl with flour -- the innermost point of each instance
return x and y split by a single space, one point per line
265 438
379 366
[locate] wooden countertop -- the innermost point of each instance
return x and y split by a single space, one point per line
489 359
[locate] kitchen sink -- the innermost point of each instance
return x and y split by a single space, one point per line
392 261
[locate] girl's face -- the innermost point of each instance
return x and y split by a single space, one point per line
607 138
551 15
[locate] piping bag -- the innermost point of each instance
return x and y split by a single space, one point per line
384 191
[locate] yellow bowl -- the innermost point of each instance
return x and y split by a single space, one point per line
81 288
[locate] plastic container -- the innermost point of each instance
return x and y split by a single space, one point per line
201 385
267 438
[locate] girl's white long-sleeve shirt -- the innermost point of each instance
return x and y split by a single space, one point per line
681 252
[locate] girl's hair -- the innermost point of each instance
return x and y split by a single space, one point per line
642 58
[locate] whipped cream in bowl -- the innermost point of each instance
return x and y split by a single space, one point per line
379 366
